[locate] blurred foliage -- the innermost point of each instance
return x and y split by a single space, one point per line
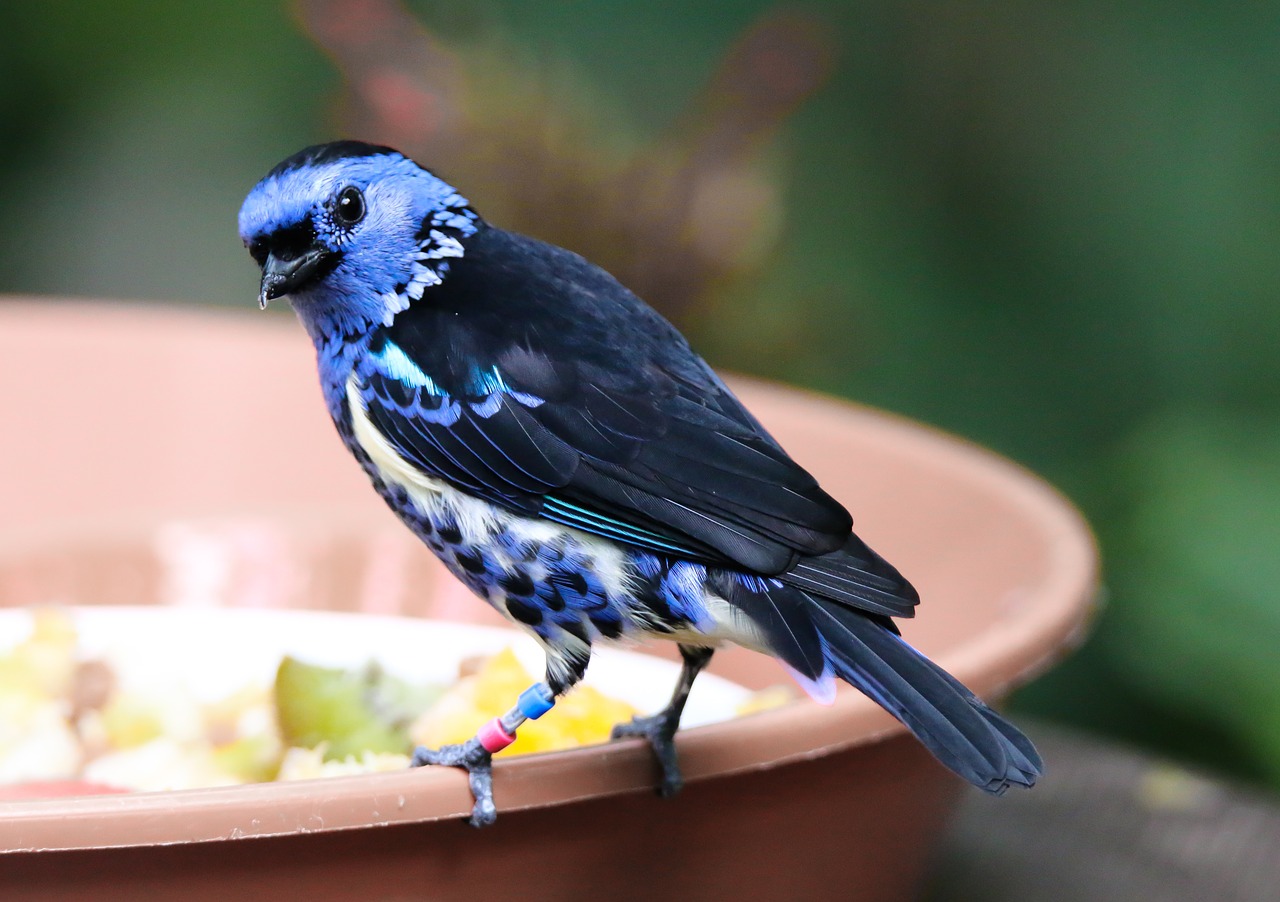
674 217
1049 227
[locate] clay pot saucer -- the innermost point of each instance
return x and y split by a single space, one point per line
147 417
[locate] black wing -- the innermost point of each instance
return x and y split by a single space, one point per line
536 381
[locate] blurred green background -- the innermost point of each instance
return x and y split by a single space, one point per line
1051 228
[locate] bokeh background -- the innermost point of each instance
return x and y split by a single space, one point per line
1051 228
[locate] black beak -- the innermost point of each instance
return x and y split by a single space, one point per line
281 277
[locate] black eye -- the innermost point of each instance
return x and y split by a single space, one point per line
348 209
258 250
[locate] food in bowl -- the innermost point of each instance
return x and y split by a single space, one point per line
147 699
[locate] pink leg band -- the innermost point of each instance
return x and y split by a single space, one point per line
493 737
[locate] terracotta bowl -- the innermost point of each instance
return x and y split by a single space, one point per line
143 418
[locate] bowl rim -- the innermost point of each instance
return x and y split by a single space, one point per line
1024 641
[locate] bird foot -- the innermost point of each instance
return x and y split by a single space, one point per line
660 731
477 761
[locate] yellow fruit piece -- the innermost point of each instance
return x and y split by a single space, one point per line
765 699
131 719
42 665
582 717
131 722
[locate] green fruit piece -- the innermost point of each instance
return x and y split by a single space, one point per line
351 710
254 759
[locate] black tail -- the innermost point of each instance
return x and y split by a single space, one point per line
818 636
961 731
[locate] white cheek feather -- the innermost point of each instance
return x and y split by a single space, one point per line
478 520
392 304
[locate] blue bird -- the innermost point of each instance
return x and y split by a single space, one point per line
568 457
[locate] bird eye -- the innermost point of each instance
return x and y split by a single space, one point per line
259 251
349 207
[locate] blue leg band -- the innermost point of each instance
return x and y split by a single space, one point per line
535 701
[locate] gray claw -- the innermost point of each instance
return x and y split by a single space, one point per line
660 733
477 761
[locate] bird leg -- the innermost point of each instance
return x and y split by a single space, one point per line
475 756
660 729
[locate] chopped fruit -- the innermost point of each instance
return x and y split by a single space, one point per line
76 723
350 711
582 717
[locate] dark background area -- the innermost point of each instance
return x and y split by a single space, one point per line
1050 228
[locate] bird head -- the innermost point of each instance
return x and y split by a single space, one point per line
352 233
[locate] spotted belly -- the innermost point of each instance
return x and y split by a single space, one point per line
565 586
544 577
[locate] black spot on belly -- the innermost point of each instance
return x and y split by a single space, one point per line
471 561
572 581
451 534
553 599
609 627
576 628
524 612
660 614
517 582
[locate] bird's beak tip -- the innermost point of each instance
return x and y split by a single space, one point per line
274 285
284 277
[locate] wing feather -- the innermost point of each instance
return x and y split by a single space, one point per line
536 381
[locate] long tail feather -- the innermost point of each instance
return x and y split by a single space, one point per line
782 617
961 731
